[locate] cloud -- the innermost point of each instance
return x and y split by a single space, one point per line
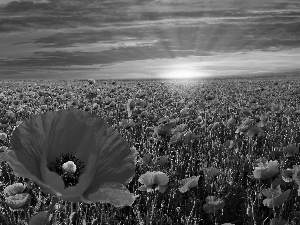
7 2
66 33
238 63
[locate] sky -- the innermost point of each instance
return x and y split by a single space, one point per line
100 39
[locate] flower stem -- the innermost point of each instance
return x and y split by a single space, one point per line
51 207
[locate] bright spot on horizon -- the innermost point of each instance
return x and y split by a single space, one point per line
183 72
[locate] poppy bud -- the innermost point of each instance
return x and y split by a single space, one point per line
15 198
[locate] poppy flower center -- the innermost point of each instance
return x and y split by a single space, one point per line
153 186
68 167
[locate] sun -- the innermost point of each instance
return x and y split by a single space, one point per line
182 72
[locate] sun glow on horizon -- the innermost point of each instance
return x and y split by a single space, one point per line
183 71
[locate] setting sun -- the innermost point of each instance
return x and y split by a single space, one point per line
182 72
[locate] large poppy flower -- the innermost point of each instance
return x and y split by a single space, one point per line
73 155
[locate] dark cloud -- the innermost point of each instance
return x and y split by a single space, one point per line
24 6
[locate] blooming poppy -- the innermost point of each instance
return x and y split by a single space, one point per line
184 112
165 129
147 158
292 149
143 115
163 120
3 136
215 126
231 122
188 137
278 221
266 170
287 175
188 183
153 180
104 161
213 204
296 176
149 130
127 123
289 110
181 127
275 197
91 81
229 144
255 131
176 137
162 160
3 149
38 218
211 172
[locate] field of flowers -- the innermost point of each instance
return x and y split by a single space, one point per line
216 151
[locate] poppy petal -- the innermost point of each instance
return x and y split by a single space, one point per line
161 189
18 201
21 170
143 188
207 208
75 132
146 179
161 179
16 188
115 161
113 193
276 201
278 221
38 218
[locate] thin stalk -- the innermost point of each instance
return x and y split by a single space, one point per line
51 207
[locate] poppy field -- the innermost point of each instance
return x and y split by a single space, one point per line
214 151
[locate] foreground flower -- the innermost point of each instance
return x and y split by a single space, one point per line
275 197
153 180
213 204
14 196
103 161
188 183
266 170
